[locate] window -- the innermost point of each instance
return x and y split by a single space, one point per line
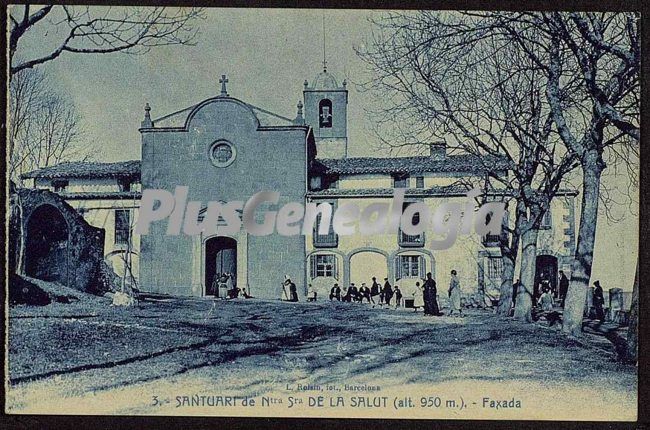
330 240
494 267
419 182
407 240
222 153
325 113
547 220
324 265
401 180
122 226
59 186
409 266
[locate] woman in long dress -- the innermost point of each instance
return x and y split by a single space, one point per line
418 297
454 294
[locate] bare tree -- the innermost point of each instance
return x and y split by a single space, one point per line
588 65
592 114
98 30
44 127
443 75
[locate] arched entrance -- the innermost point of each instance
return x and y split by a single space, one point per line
46 245
366 264
546 268
220 257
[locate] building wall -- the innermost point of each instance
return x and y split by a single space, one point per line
267 159
78 185
468 256
101 213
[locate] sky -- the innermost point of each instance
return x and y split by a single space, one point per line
266 54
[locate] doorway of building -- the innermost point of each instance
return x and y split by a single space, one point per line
220 257
546 269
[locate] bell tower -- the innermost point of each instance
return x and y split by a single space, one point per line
326 111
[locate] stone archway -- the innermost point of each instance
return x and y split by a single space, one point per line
367 263
220 257
50 240
46 245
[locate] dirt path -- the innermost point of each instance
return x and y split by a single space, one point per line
107 360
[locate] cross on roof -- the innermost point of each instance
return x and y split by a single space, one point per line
223 81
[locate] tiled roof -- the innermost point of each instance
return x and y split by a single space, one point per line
455 190
107 195
87 170
448 190
462 163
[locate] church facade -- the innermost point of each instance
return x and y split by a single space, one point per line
225 149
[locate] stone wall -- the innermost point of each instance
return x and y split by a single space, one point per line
76 248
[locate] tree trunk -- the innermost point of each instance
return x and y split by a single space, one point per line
20 264
524 302
508 272
633 330
576 299
509 251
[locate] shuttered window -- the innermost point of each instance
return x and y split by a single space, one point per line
122 224
410 266
324 265
329 240
494 267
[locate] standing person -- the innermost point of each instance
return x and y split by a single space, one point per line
223 286
564 287
388 292
398 296
335 293
598 301
454 295
431 296
374 290
232 293
418 297
539 288
215 286
293 291
515 291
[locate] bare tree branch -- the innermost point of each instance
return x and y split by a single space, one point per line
133 30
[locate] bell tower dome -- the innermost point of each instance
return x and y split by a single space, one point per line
326 111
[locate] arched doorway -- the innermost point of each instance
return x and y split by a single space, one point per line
220 257
366 264
546 268
46 245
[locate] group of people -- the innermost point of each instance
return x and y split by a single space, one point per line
544 293
425 296
223 287
376 294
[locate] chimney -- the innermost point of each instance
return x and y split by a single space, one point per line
438 150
